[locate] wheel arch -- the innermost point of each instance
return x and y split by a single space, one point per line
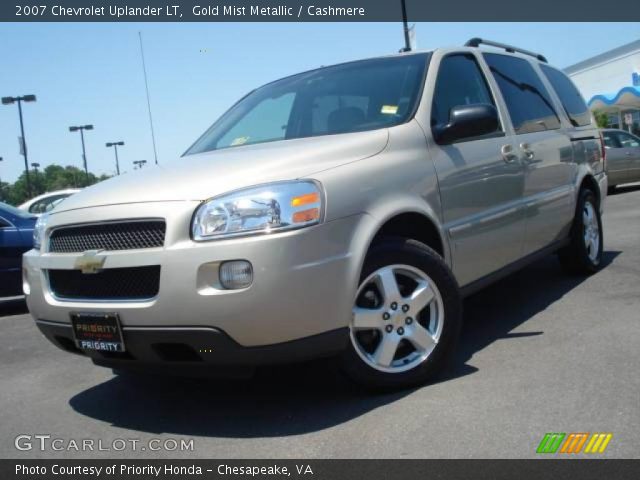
393 216
411 225
589 181
417 222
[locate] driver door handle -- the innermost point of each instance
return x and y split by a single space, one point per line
507 153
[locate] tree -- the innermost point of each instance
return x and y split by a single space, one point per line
602 119
54 177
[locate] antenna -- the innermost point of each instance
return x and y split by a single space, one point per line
407 43
146 86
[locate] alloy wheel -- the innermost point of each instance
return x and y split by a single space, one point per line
591 231
397 318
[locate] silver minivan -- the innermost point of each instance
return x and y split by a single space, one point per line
343 211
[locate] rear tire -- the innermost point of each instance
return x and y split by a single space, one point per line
407 317
583 255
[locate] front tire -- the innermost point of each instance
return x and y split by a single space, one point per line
583 255
406 318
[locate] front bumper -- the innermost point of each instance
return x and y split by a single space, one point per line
304 280
195 351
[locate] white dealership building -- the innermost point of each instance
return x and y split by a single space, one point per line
610 82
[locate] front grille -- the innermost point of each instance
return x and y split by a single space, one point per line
108 236
131 283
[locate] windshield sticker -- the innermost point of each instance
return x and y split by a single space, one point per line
389 109
239 141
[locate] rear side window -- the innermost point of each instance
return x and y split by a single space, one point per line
460 82
528 102
570 97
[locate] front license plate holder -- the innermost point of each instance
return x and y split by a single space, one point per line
97 331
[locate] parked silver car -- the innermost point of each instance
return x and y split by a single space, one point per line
342 211
622 157
47 201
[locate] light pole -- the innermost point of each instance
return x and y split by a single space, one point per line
115 149
20 99
36 180
139 163
82 128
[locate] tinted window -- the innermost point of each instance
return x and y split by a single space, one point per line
570 97
627 141
460 82
610 140
357 96
527 100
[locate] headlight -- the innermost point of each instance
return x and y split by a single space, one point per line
39 229
264 209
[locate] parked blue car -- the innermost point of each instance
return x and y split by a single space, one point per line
16 237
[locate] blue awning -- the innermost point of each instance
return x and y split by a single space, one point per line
625 97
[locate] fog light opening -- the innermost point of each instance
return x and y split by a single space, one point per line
236 274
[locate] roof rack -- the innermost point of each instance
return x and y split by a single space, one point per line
475 42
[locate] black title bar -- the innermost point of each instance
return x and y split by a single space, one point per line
316 10
582 469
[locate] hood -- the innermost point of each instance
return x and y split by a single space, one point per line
202 176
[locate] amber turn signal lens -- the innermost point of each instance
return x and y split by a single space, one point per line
305 216
305 199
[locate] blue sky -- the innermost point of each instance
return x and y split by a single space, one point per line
90 73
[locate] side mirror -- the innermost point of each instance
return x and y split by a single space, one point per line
467 121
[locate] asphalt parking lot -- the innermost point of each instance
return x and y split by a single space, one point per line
540 352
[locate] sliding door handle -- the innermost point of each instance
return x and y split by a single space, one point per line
529 154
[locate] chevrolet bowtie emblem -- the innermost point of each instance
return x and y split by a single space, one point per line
90 262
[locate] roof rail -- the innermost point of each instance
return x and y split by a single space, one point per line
475 42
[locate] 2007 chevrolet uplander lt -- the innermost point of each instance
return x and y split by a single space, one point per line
343 211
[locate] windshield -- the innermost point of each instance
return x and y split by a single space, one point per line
11 210
351 97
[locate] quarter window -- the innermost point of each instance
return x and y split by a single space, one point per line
527 100
460 82
570 97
